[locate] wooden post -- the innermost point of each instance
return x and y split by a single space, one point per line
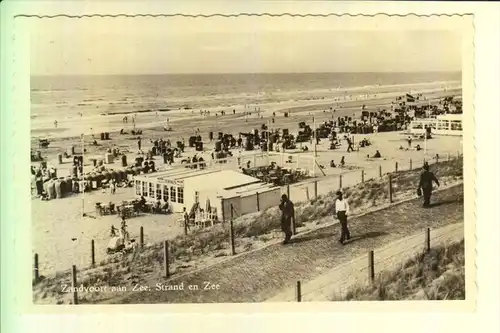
340 181
165 259
362 175
390 188
231 233
427 239
73 284
371 266
380 171
223 211
92 251
258 202
288 191
35 269
141 236
254 160
315 189
298 293
307 193
396 167
294 228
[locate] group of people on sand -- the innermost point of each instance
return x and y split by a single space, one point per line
123 233
410 140
125 119
341 164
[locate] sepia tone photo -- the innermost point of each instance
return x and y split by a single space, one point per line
248 159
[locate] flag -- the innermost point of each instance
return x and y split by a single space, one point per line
410 98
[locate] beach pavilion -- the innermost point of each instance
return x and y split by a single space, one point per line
446 124
219 189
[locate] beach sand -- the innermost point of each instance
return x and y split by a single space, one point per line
61 235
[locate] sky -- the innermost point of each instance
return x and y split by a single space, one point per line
142 46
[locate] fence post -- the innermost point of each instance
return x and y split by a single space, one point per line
73 284
396 167
165 259
231 233
315 189
141 236
362 175
254 160
411 164
223 212
288 191
298 293
35 269
427 239
185 224
307 193
380 170
371 266
340 181
390 188
258 201
92 251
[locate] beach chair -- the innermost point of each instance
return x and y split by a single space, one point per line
43 143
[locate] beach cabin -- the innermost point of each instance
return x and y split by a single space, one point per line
208 190
447 124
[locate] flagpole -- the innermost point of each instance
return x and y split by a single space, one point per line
83 171
425 142
425 137
314 137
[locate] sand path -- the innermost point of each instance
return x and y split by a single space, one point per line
259 275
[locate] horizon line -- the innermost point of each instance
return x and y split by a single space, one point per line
248 73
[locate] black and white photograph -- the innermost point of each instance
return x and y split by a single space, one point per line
249 159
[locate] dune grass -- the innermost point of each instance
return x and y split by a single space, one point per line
437 275
249 230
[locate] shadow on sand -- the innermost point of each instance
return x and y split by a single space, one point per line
311 237
367 235
371 234
444 202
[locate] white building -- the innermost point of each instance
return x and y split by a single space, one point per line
182 188
447 124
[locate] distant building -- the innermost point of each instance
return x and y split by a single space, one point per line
447 124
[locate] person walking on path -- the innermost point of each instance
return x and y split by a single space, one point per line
350 146
287 214
112 186
341 209
425 185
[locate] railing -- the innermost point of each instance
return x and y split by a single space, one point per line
374 265
297 193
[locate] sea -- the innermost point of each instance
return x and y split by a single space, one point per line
64 97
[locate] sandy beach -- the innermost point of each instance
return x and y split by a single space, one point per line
61 235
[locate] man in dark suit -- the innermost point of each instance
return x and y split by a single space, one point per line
287 214
426 180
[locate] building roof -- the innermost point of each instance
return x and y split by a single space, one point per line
250 189
202 179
